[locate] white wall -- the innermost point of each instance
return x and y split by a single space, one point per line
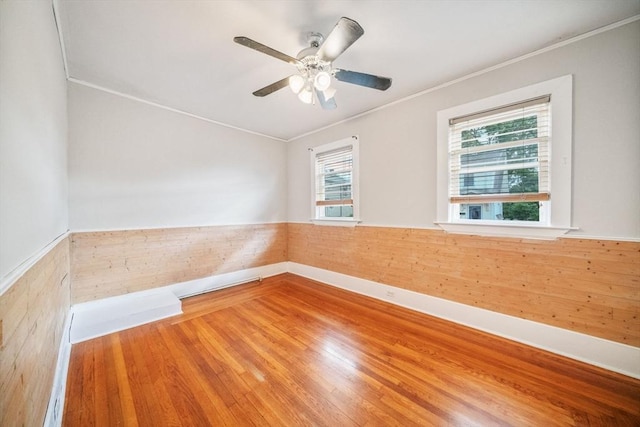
33 133
134 165
398 143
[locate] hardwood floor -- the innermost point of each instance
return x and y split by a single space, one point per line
290 351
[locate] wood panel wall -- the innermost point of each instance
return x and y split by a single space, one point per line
588 286
32 315
105 264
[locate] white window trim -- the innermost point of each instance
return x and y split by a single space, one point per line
354 141
561 91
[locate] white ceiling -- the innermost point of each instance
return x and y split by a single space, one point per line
181 54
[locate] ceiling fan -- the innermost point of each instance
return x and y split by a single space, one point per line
314 64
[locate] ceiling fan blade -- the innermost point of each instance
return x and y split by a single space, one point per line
272 87
343 35
327 104
362 79
252 44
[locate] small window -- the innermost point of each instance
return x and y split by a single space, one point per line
334 168
504 163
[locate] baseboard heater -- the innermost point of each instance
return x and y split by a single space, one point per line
218 288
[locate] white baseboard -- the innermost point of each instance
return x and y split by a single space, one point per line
610 355
107 315
53 417
104 316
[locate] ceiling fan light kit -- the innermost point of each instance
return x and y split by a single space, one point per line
322 81
306 96
296 83
314 64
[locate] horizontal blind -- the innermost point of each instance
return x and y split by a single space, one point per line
334 176
501 155
505 108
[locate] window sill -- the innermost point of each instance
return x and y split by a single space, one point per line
505 230
337 222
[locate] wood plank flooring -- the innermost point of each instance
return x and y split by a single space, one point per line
290 351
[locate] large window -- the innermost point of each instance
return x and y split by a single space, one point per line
504 163
499 163
335 191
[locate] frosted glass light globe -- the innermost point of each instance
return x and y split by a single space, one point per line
322 80
329 93
296 83
306 96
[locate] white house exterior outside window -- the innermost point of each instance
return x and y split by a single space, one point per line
335 181
504 163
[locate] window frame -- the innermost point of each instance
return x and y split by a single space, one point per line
354 142
558 221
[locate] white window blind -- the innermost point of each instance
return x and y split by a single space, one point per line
334 177
501 155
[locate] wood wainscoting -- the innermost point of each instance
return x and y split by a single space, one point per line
583 285
110 263
32 315
291 352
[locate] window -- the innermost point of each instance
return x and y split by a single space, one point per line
499 163
504 163
335 181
